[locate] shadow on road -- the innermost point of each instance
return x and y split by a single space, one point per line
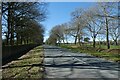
89 64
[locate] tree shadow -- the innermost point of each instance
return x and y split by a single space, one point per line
15 56
73 66
24 67
25 71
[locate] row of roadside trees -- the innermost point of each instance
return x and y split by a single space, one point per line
21 22
95 22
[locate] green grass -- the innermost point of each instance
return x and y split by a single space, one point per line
104 46
22 68
93 51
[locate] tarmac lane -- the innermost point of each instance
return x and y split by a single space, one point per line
62 63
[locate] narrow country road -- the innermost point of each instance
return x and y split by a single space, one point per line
62 63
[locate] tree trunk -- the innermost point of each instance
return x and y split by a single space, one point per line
115 42
75 40
17 41
12 24
12 37
63 40
94 43
21 40
66 40
79 39
27 40
24 41
77 34
107 34
8 25
7 39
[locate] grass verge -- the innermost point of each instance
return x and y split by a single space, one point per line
27 66
98 52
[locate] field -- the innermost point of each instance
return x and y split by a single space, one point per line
100 51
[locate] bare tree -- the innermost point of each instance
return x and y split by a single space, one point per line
107 11
52 40
58 34
94 25
72 32
66 31
78 24
114 27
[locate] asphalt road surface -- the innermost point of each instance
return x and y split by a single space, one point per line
62 63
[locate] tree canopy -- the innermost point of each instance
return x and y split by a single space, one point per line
21 22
